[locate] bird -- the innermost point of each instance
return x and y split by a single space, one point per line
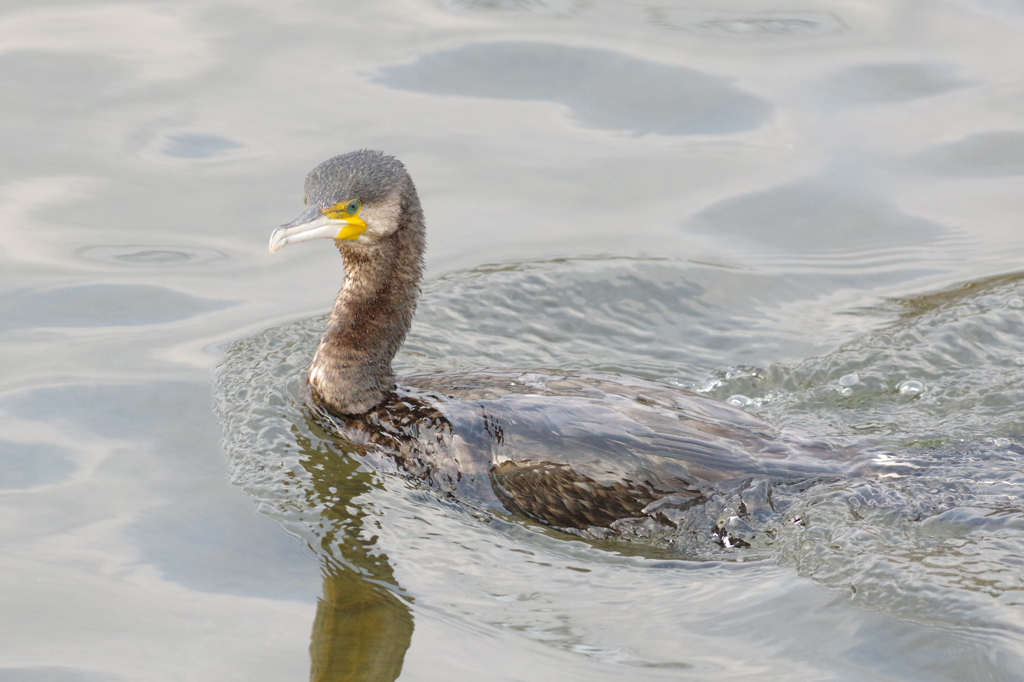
589 454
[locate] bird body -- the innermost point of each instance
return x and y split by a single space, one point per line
578 452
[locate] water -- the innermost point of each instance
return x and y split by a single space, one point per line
757 202
926 531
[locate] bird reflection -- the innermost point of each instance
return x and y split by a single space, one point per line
361 631
363 623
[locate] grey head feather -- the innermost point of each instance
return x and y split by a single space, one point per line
368 175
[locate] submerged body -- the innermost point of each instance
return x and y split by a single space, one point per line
577 452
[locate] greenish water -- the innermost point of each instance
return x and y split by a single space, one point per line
811 212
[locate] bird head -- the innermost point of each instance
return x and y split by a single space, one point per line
355 197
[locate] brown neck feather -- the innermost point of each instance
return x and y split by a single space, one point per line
351 371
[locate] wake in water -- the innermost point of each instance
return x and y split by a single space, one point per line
910 492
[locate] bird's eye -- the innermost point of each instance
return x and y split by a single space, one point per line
353 206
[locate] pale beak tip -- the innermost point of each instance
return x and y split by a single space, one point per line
312 224
278 239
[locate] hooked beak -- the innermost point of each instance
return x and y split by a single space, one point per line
314 224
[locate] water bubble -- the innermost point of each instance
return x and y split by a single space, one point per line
709 384
1016 303
849 380
1001 442
1019 361
533 380
910 387
739 400
844 391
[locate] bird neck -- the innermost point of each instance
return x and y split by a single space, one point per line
351 371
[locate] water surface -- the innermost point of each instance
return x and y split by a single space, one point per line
811 211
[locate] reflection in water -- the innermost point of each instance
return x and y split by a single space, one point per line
101 305
603 89
30 464
362 629
892 83
992 154
915 307
809 218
